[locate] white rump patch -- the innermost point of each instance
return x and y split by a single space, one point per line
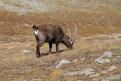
36 32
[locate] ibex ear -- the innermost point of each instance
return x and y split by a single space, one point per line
35 27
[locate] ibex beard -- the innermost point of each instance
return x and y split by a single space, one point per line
48 33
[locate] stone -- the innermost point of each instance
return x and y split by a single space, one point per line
112 78
86 71
105 58
108 54
62 62
75 60
36 79
94 75
26 51
104 72
27 24
111 68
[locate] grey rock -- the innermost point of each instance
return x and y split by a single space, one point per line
27 24
62 62
112 77
95 79
36 80
109 78
26 51
94 75
105 58
104 72
108 54
75 60
111 68
87 71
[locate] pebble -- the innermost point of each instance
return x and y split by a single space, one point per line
105 58
112 78
26 51
86 71
111 68
62 62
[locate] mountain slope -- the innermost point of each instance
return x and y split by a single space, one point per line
24 6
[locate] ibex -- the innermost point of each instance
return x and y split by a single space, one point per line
52 34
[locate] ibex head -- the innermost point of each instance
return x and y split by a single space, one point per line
69 41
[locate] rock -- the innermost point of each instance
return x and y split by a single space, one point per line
75 60
27 24
105 58
109 78
108 54
102 61
95 79
87 71
63 61
94 75
26 51
112 78
111 68
24 80
36 79
104 72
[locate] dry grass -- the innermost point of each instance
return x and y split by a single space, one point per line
18 66
16 35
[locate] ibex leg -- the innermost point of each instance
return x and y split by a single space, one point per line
38 49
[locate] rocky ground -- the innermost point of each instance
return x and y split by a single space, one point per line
97 50
97 61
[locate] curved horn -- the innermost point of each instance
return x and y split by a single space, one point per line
74 35
69 32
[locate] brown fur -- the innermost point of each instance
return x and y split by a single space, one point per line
51 34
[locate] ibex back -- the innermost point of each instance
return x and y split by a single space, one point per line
51 34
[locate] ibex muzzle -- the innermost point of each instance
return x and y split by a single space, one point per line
52 34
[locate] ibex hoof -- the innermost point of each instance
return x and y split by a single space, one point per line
38 56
